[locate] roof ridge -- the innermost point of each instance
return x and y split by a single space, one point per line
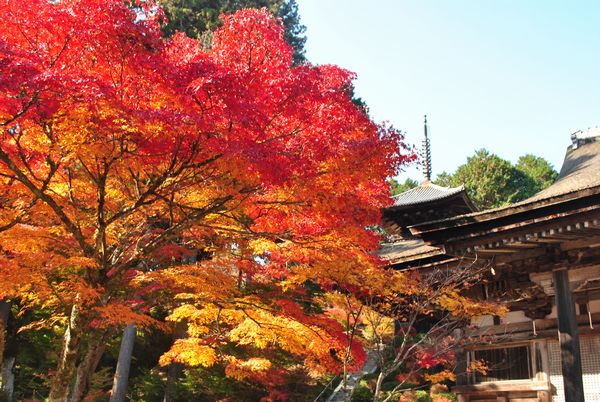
425 193
431 185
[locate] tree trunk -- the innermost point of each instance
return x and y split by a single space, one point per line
174 372
175 369
345 372
7 359
87 367
119 388
61 381
8 378
380 378
4 313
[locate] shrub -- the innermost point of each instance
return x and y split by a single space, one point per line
362 393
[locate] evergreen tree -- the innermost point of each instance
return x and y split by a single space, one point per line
539 169
198 18
492 181
398 188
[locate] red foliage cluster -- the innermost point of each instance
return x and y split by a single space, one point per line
122 153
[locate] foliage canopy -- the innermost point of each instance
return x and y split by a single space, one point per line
149 180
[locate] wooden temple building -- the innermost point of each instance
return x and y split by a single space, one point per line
543 255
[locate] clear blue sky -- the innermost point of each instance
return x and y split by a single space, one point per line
514 77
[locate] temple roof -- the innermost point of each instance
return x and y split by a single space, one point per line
580 169
423 203
407 249
579 176
576 188
426 202
425 193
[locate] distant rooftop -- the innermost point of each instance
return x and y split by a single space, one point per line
578 177
426 202
424 193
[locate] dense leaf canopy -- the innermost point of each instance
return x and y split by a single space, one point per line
216 197
145 178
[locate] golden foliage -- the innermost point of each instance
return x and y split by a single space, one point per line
444 375
253 368
190 351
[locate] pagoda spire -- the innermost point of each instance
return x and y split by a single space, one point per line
426 154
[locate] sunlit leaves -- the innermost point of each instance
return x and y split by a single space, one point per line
190 351
143 175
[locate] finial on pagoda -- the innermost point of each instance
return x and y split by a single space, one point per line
426 154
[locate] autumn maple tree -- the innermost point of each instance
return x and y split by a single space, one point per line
419 322
138 171
411 323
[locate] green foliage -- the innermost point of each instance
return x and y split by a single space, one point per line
102 380
448 395
362 393
492 181
197 18
542 172
294 30
194 385
444 179
148 386
398 188
423 396
35 351
388 386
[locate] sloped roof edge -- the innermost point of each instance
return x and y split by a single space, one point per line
579 177
424 193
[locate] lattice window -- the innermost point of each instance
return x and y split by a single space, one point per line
555 371
510 363
590 362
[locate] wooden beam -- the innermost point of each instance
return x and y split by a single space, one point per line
521 255
503 386
567 204
542 240
553 228
521 245
586 242
503 250
545 326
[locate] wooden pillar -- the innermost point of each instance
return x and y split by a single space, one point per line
568 337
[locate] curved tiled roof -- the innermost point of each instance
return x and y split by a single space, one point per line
580 172
424 193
